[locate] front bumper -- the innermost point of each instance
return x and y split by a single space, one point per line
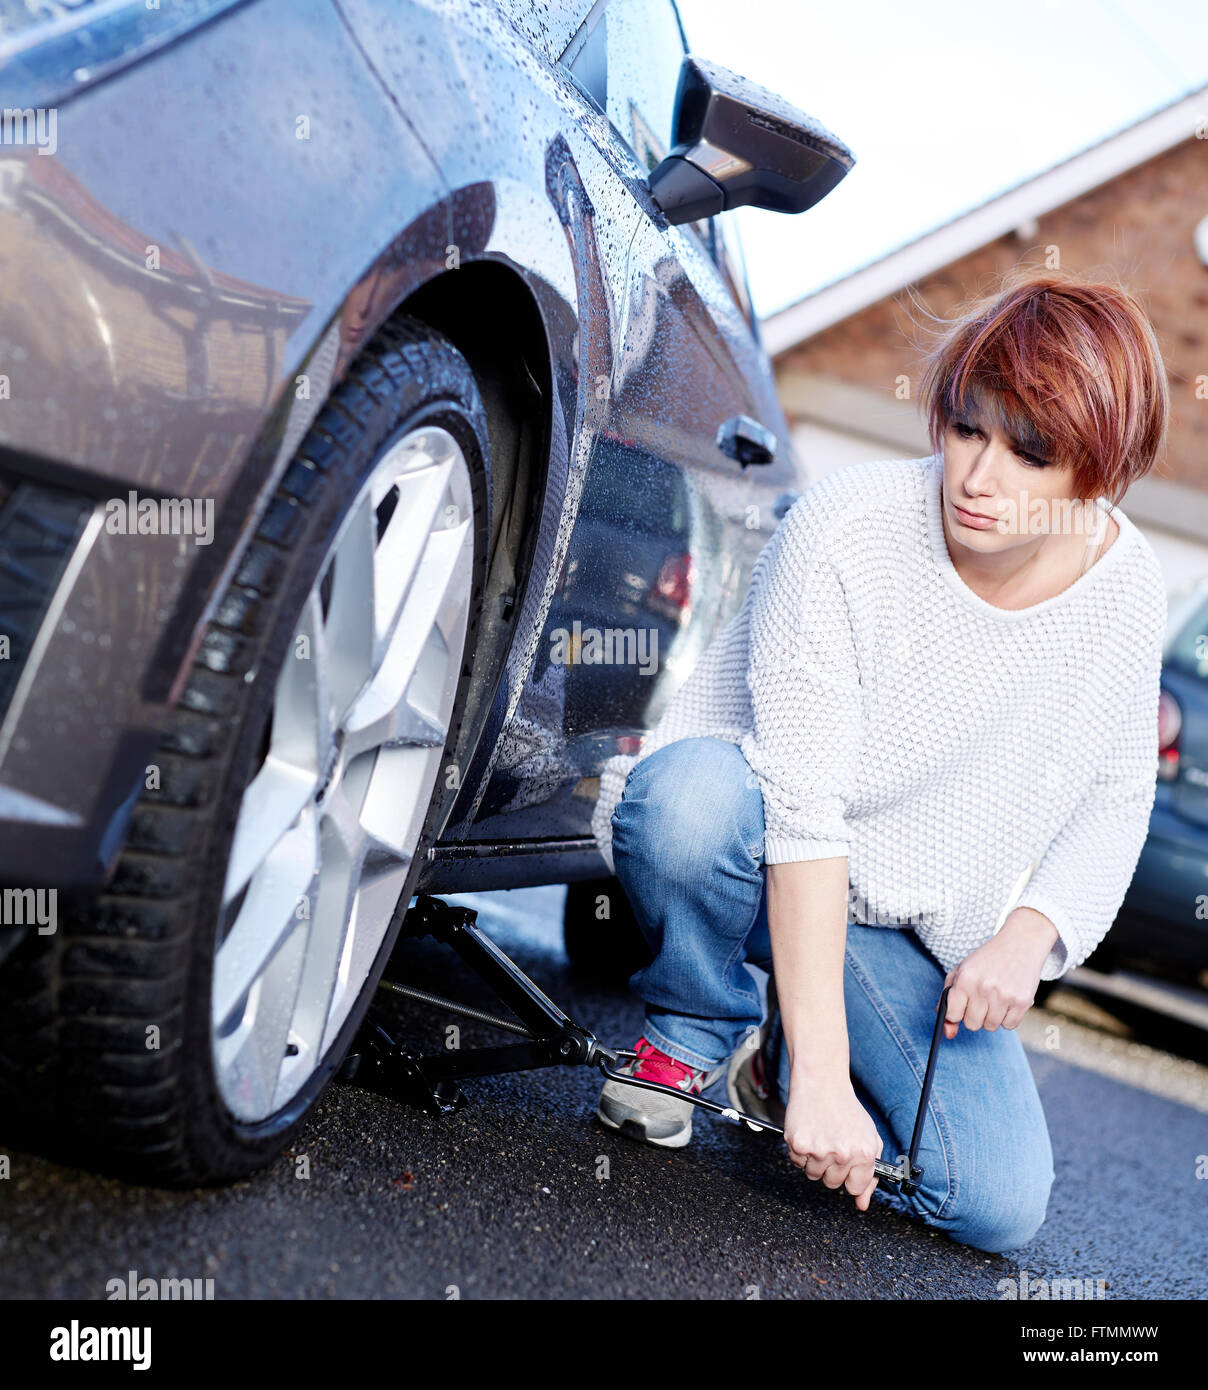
73 609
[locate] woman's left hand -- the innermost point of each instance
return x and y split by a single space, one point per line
995 985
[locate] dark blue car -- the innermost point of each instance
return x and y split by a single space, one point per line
1164 919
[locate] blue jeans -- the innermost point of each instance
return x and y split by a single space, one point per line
687 840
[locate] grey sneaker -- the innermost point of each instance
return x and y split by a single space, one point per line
750 1086
649 1115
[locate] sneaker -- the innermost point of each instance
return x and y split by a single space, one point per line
649 1115
750 1085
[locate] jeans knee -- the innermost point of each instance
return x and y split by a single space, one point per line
684 799
1004 1213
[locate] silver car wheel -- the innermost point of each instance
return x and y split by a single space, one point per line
328 826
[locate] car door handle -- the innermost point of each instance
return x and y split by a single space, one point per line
746 440
782 504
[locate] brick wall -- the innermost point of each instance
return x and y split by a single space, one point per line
1138 225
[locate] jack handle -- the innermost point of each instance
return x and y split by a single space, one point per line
905 1171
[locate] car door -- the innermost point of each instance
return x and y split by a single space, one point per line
662 351
668 526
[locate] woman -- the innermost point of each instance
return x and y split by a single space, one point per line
924 752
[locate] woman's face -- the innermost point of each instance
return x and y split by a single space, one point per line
1021 493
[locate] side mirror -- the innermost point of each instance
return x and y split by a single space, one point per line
737 144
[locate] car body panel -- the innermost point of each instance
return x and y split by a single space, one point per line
155 329
178 326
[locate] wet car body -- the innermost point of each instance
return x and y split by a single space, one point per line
172 329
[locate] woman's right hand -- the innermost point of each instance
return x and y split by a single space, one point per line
831 1136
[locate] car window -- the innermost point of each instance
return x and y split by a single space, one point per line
626 56
731 261
548 25
1188 652
645 51
586 56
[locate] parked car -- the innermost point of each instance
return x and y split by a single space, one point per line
339 342
1163 922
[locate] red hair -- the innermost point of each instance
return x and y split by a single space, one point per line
1067 368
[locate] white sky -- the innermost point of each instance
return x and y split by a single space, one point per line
944 104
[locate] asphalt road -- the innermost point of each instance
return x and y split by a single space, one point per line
524 1195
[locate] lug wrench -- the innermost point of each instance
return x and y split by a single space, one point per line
905 1171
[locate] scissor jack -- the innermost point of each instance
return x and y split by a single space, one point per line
377 1062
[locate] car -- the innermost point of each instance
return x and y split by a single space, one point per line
363 364
1163 921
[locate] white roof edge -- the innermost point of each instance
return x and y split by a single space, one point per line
1090 168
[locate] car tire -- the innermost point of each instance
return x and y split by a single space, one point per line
607 949
111 1040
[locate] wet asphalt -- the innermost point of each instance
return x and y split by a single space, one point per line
524 1195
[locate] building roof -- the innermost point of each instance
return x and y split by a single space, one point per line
1016 208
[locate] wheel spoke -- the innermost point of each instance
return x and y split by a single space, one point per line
392 801
380 714
350 625
399 561
271 805
268 914
254 1053
302 715
342 849
398 705
376 899
384 857
322 697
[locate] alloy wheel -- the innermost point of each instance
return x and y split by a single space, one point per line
328 826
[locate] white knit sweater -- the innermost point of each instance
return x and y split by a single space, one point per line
942 744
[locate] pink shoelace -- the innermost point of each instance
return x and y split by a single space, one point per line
657 1066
